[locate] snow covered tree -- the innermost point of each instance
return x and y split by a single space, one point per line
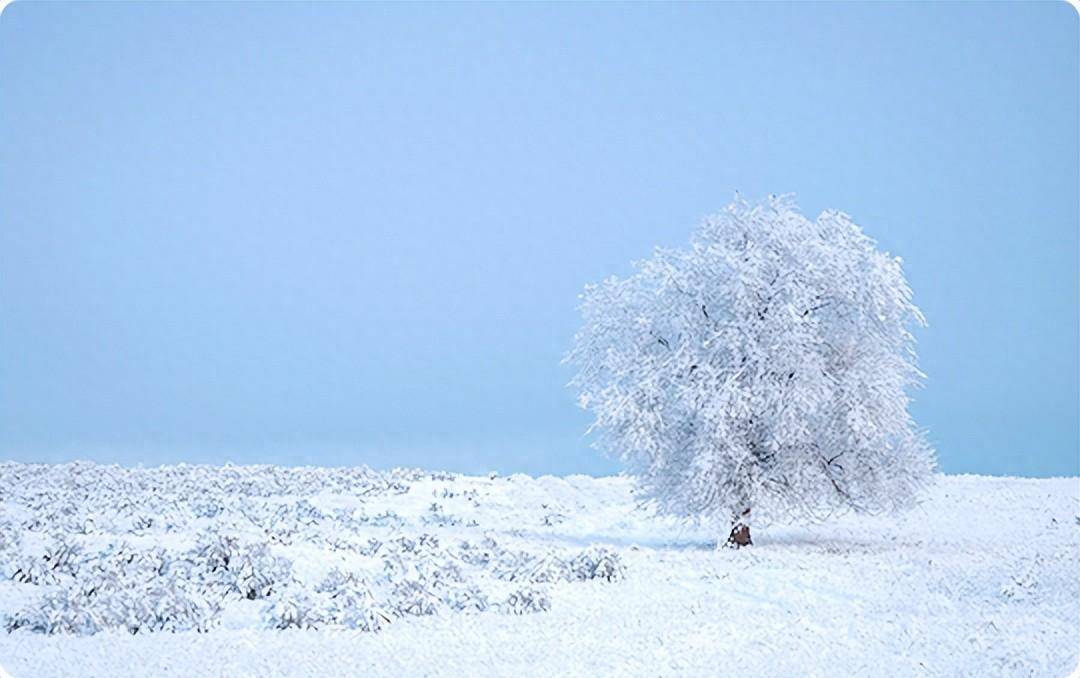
765 368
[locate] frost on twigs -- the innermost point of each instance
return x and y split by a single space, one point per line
526 601
106 602
294 609
597 562
246 538
61 558
350 602
469 598
248 570
766 367
521 566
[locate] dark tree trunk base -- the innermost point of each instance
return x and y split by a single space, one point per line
739 537
740 532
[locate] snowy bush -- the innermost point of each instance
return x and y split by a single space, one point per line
597 562
765 367
176 607
289 521
294 608
31 570
250 570
114 604
467 599
216 551
336 579
141 523
60 611
258 573
205 507
526 601
479 554
371 547
60 558
352 605
414 597
129 575
350 602
552 519
525 567
10 549
384 519
437 516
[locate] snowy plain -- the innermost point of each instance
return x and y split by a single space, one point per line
191 570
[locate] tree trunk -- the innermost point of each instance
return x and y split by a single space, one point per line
740 532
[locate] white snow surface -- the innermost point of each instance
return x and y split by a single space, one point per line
559 577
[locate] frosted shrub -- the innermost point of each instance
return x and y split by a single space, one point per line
304 512
552 519
217 551
104 604
547 568
421 560
384 519
294 609
10 544
146 591
412 597
173 606
765 367
61 558
290 521
154 606
250 570
439 571
511 565
30 570
205 507
437 516
116 581
467 599
479 554
258 573
337 579
141 523
427 544
358 612
526 601
80 525
370 548
121 561
351 604
597 562
58 612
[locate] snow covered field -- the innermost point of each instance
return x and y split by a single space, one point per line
418 573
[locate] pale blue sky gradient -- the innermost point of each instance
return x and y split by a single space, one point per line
354 233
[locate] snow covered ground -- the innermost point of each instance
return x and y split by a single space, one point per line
418 573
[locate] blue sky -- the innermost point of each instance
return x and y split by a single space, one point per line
354 233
